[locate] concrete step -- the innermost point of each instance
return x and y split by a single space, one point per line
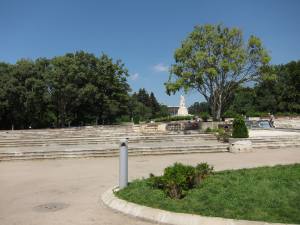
87 140
111 152
276 146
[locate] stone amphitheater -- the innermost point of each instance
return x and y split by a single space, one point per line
68 192
103 141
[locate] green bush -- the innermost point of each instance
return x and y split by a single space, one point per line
123 119
223 135
240 129
202 170
208 130
212 130
136 119
204 116
179 178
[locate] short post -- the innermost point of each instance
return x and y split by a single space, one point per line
123 164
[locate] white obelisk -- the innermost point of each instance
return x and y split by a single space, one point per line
182 111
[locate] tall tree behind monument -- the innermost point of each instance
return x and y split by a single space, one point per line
214 60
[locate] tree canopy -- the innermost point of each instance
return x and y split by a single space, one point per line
279 93
146 106
214 60
70 90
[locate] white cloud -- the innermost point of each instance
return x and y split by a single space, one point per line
160 67
134 76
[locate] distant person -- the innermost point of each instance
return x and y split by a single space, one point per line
271 120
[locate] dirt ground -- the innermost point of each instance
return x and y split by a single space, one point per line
67 192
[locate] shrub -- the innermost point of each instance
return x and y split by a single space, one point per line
240 129
212 130
123 119
136 119
208 130
223 135
179 178
202 170
204 116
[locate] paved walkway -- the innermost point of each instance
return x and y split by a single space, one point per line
24 185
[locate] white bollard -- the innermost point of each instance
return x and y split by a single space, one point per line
123 164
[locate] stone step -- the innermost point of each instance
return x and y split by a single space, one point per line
275 145
144 137
54 143
111 153
84 140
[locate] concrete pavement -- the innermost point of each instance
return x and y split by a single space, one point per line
26 187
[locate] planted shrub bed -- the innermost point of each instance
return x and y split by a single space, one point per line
269 194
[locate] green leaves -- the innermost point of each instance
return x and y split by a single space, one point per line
76 88
213 59
240 129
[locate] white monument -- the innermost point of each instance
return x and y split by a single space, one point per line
182 111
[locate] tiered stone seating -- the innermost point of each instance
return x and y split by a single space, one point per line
103 141
99 141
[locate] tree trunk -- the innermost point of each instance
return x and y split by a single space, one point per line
218 113
216 107
219 107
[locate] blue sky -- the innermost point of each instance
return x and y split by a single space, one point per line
144 34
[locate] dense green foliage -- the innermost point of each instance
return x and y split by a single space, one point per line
239 128
204 116
74 89
145 106
214 60
199 107
279 94
179 178
269 194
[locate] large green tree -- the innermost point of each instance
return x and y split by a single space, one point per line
146 106
73 89
215 60
84 88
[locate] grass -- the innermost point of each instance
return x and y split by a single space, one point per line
270 194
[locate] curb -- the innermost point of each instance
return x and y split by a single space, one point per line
166 217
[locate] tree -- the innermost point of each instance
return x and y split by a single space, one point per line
155 107
77 88
244 101
214 60
146 106
288 83
198 107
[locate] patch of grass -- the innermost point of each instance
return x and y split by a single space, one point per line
269 194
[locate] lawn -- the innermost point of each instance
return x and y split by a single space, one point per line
269 194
